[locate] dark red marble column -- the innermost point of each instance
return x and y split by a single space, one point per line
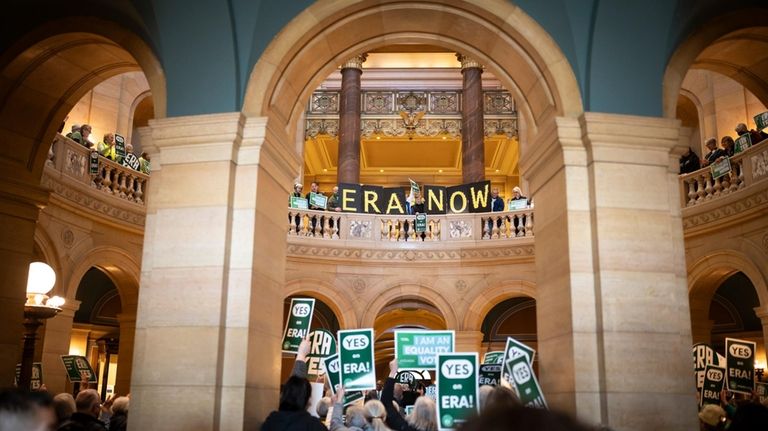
349 121
472 134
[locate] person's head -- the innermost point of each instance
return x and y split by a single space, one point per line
43 402
335 189
711 144
313 187
517 192
109 138
495 192
727 142
423 417
63 406
120 406
712 417
129 148
522 418
741 129
356 417
501 397
295 394
482 395
379 385
75 128
376 414
88 402
85 130
18 411
298 188
145 156
322 407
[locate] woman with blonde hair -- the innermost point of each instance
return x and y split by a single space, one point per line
423 415
376 415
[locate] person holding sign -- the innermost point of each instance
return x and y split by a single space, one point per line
713 154
755 136
313 188
728 146
423 417
107 147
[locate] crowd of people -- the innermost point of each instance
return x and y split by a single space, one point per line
40 411
107 146
690 161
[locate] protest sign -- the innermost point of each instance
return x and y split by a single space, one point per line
37 376
761 121
93 163
119 147
704 355
323 344
495 357
457 390
297 324
78 368
408 410
464 198
740 360
714 379
420 225
406 378
333 377
358 368
318 200
431 392
761 390
416 350
518 204
131 161
299 203
721 168
742 143
525 382
489 374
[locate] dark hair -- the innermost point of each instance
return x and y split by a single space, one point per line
295 394
41 398
521 418
18 410
750 416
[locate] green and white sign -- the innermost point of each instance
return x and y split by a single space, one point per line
37 376
299 203
721 168
457 398
740 358
761 121
332 368
525 382
408 410
742 143
518 204
516 348
119 147
78 368
420 225
318 200
416 350
490 374
323 346
297 325
714 379
495 357
93 163
358 368
431 392
761 390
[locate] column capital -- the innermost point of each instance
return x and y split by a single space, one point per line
355 62
468 62
762 314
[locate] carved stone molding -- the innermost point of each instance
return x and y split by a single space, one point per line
339 253
726 210
68 238
468 62
355 62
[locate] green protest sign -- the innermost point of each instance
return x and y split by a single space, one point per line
414 185
332 369
721 168
420 225
525 382
495 357
515 348
78 367
431 392
490 374
323 344
704 355
761 390
93 163
37 376
318 200
408 410
299 203
358 368
761 121
416 350
740 359
518 204
714 379
119 147
456 389
297 324
742 143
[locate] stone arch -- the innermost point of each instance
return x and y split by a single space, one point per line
731 28
47 247
489 298
393 292
328 32
325 292
118 265
62 54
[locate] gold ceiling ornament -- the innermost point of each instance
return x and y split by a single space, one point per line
355 62
411 121
468 62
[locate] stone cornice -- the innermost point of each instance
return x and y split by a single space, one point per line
741 206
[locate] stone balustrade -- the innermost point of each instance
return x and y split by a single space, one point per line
747 168
394 228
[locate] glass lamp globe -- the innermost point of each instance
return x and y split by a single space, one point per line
41 278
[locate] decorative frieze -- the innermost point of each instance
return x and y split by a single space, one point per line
393 127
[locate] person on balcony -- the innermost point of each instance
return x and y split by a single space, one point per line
107 147
754 135
728 145
497 202
417 207
144 163
81 136
313 188
689 162
75 129
713 154
334 204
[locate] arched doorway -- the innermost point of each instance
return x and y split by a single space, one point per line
514 317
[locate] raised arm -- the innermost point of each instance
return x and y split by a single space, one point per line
300 366
394 420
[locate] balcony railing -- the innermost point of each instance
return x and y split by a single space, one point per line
391 228
113 179
747 168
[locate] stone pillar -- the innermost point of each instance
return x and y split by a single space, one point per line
125 354
762 314
20 205
349 121
610 262
472 133
470 341
701 325
200 331
58 336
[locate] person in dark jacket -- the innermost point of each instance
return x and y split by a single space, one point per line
423 417
292 415
88 404
497 202
689 162
714 153
119 419
729 147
